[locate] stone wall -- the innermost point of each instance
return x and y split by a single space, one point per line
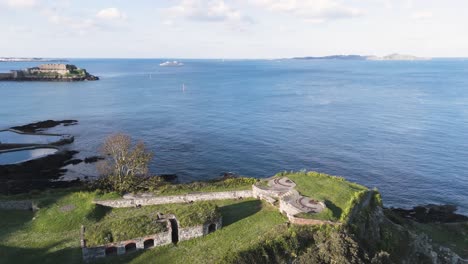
160 239
186 233
17 205
259 192
185 198
288 209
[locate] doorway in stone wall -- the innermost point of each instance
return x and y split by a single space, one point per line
211 228
175 230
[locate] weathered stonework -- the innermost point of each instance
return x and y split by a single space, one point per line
200 230
127 246
186 198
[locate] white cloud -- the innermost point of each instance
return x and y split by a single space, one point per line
422 15
20 3
111 13
314 10
207 11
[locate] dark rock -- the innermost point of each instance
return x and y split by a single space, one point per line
93 159
73 162
39 126
168 177
229 175
22 177
431 213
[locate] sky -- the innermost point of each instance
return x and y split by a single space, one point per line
232 28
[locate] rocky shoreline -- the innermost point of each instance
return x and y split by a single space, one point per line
41 173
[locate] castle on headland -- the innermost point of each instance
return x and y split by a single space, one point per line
49 72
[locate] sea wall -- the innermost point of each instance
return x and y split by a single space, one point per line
185 198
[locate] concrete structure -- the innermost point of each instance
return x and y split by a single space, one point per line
281 192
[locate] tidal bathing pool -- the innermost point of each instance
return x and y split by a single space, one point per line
10 137
22 155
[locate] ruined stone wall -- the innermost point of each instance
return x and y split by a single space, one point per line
160 239
185 198
186 233
259 192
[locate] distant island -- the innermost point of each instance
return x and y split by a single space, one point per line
15 59
391 57
49 72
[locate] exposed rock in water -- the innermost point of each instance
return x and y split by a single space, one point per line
432 213
168 177
93 159
73 162
40 126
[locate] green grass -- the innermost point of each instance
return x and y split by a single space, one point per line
246 223
123 229
192 214
336 192
231 184
51 235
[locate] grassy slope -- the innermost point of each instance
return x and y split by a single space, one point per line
51 235
335 191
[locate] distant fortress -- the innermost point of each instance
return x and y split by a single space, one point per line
49 72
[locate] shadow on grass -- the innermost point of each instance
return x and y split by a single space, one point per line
235 212
335 209
98 213
20 255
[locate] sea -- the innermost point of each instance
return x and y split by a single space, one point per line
399 126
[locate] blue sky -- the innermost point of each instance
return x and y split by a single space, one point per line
232 28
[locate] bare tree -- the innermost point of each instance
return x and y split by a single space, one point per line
125 162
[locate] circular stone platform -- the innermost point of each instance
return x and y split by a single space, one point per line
281 183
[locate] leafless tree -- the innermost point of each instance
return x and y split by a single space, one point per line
124 162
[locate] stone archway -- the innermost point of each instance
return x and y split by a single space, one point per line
211 228
130 247
149 243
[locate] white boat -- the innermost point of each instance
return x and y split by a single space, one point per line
171 64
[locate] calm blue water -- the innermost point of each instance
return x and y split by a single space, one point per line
9 137
18 156
398 126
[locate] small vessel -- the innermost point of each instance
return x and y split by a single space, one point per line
171 64
183 87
